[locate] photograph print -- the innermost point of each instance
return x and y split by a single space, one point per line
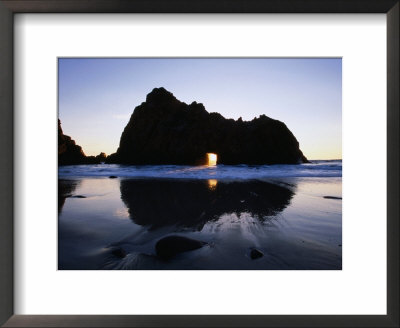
199 163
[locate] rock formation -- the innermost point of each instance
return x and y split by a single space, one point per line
164 130
98 159
69 153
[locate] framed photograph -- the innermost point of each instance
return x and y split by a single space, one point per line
199 164
216 185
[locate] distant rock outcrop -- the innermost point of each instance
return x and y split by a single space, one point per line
98 159
164 130
69 153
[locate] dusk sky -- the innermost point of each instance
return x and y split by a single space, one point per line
97 96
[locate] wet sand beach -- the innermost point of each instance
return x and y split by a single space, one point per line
217 224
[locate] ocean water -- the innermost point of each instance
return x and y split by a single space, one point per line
290 214
320 169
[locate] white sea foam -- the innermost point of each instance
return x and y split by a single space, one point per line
236 172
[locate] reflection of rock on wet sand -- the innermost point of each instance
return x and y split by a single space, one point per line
65 189
190 203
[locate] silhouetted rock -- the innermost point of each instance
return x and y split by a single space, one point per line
100 158
69 153
171 246
164 130
112 177
255 254
158 203
332 197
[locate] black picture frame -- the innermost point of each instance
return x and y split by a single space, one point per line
10 7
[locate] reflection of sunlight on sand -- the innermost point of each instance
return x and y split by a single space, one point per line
320 187
94 185
212 184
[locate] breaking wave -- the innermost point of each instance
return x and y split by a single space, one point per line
235 172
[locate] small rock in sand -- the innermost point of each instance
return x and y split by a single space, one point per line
332 197
112 177
118 252
255 254
170 246
78 196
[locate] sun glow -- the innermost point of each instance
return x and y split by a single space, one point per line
212 159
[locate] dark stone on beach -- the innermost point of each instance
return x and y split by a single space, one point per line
255 254
170 246
78 196
332 197
112 177
118 252
164 130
